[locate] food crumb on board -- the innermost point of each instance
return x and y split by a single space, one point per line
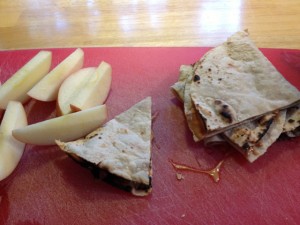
179 176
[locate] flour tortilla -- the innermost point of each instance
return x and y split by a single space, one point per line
235 83
181 89
253 138
179 86
122 147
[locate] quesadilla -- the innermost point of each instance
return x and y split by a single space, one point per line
253 135
235 83
120 151
252 139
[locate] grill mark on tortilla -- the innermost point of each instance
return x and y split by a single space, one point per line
264 131
227 115
196 78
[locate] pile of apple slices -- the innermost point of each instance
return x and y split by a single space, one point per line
79 93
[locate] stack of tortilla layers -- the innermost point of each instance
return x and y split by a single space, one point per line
234 94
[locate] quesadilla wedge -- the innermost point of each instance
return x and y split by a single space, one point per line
252 139
234 83
120 150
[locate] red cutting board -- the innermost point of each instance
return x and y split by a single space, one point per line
49 188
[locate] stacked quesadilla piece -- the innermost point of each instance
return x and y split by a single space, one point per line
234 94
119 151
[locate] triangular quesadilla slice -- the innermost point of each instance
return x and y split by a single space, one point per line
120 150
234 83
252 139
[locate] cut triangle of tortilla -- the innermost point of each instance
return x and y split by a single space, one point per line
120 150
252 138
234 83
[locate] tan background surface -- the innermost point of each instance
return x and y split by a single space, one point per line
78 23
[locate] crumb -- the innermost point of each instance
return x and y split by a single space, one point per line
179 176
183 215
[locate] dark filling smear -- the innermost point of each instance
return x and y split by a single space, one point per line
116 181
246 146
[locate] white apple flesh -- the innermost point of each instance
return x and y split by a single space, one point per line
92 91
96 89
47 88
64 128
17 86
11 150
70 88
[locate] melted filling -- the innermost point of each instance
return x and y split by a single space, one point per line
214 173
119 182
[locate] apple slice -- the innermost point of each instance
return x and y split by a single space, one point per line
11 150
1 110
69 88
64 128
16 87
90 91
47 88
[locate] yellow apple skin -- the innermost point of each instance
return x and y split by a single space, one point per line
64 128
17 86
70 88
47 88
92 91
11 150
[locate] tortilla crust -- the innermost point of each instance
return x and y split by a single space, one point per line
121 149
235 83
252 139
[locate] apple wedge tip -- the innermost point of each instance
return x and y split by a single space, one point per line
64 128
17 86
47 88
